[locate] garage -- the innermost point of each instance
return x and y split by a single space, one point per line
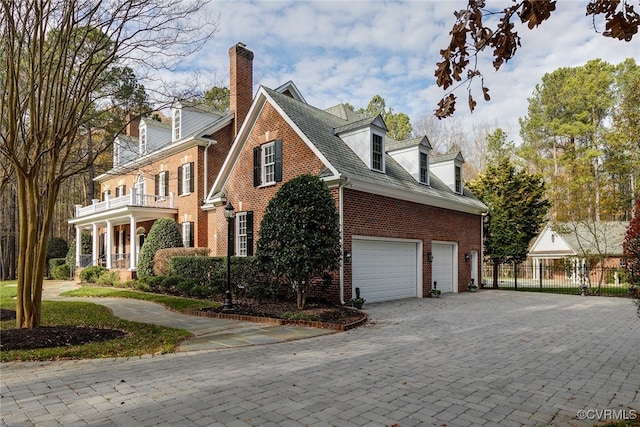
442 266
385 269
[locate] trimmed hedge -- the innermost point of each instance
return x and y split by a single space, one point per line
202 269
162 257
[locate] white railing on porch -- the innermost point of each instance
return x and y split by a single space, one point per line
131 199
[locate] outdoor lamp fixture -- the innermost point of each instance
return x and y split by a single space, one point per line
430 256
229 214
467 257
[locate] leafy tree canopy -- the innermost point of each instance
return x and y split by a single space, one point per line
470 36
299 235
517 205
217 98
631 244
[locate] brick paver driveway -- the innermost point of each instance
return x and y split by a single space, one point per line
491 358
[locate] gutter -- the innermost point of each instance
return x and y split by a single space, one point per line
206 164
341 214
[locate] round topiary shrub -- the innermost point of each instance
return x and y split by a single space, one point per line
164 233
57 248
61 272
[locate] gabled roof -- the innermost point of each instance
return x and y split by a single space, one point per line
580 239
446 158
393 145
376 121
318 129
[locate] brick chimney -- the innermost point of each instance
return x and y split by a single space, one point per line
240 84
133 122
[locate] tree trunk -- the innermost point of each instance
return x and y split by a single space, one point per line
496 265
34 229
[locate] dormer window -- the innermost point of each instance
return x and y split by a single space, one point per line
177 124
377 153
143 140
424 168
458 179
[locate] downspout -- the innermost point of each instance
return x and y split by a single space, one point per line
206 165
341 214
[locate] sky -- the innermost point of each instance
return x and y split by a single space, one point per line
349 51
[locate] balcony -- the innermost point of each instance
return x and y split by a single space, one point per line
131 199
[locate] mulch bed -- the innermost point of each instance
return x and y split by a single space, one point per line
51 336
62 336
315 310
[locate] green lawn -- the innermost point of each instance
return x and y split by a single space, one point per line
140 339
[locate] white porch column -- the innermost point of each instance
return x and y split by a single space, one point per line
95 252
133 244
78 245
109 244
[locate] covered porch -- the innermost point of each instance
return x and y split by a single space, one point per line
118 227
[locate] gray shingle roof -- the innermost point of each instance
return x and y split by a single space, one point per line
319 125
605 237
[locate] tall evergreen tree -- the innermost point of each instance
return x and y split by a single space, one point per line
517 209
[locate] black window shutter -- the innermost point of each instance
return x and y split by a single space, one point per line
124 190
179 180
157 179
278 159
231 241
250 233
192 175
191 234
116 242
257 171
166 183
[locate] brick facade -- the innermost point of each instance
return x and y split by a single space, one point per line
364 214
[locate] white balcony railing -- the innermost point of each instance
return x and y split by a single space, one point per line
131 199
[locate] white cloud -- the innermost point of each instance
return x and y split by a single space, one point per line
349 51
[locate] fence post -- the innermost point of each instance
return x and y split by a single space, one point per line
540 274
515 276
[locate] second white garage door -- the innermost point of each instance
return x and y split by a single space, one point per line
385 270
442 266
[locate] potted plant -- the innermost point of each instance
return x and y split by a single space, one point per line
435 293
358 301
472 286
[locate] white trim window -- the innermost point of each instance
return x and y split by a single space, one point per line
186 178
377 152
143 140
177 124
187 234
268 164
424 168
141 189
458 172
121 190
120 255
241 234
163 185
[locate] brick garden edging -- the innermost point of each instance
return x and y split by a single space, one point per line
273 321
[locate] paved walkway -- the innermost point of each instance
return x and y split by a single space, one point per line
209 333
494 358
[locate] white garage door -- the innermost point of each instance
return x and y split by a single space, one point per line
442 267
384 270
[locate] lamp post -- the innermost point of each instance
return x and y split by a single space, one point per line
229 214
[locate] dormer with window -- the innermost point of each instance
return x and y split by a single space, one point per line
367 139
413 155
448 168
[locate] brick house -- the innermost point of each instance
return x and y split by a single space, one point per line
163 170
406 219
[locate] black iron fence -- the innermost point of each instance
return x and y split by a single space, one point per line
604 281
